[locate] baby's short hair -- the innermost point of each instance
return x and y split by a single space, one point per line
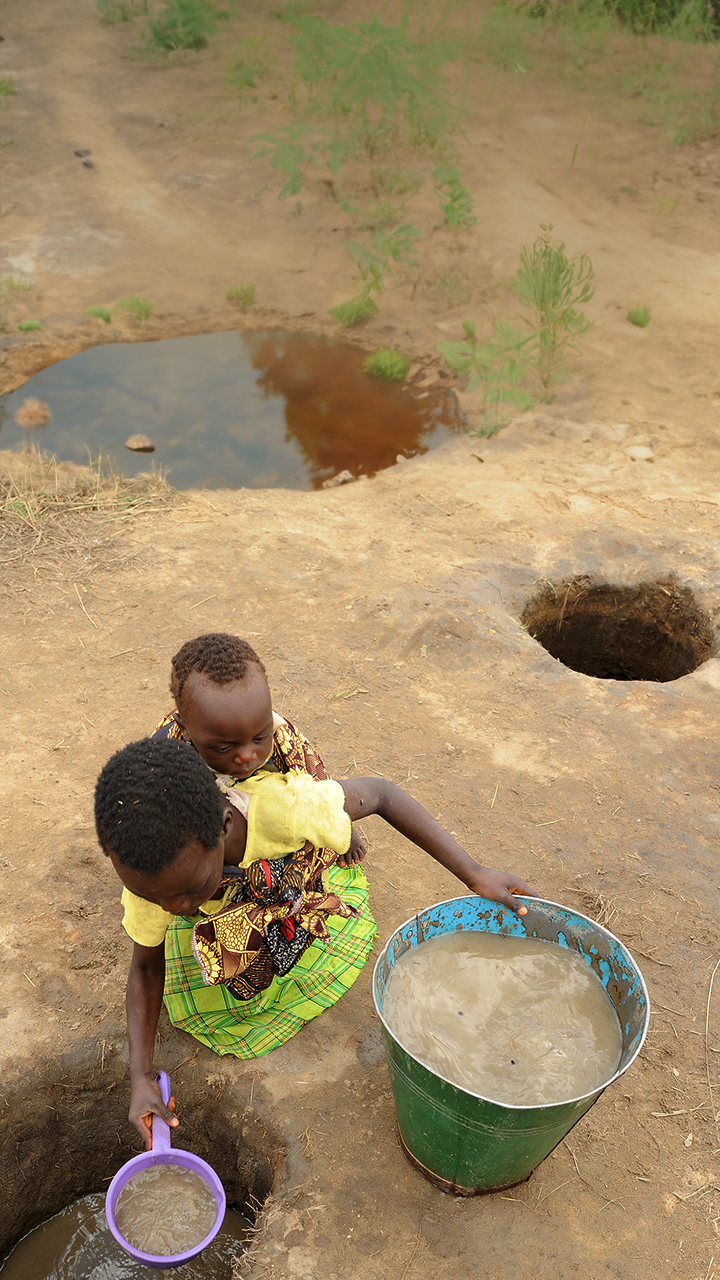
153 798
222 658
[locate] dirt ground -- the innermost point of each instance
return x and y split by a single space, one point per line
387 613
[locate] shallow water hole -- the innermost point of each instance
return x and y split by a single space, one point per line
251 409
76 1244
65 1136
653 631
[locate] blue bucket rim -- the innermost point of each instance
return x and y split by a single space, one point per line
547 902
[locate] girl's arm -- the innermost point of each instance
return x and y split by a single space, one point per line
145 985
365 796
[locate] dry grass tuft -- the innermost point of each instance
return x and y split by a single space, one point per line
50 508
33 413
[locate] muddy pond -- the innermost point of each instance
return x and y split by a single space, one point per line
258 409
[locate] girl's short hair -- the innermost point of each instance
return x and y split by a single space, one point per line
152 799
222 658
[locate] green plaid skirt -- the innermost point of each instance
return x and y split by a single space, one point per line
250 1028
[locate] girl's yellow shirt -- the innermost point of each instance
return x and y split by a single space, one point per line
283 812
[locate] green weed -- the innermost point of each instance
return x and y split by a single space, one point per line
243 295
640 316
455 200
7 90
526 355
26 326
391 366
552 287
181 24
355 312
451 289
374 258
100 313
9 286
112 11
375 76
503 365
139 308
378 88
15 284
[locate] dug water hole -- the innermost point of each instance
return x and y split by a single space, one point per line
652 631
77 1245
254 409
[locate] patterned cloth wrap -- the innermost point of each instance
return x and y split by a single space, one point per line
274 910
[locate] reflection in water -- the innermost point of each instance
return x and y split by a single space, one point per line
341 418
231 410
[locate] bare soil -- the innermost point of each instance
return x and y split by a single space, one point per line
388 614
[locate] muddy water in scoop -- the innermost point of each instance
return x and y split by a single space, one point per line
518 1020
165 1209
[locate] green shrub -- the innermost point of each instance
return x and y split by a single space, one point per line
525 356
455 200
243 295
639 316
100 313
390 365
355 312
138 308
183 24
26 326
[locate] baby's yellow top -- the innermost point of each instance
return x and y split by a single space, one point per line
283 811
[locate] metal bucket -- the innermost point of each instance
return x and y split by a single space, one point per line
462 1142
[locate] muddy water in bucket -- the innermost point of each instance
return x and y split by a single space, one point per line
514 1018
77 1245
165 1210
261 409
465 1140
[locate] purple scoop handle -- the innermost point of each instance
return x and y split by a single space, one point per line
159 1129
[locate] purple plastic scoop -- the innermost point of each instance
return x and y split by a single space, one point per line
162 1153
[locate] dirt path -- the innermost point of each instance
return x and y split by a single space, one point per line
388 615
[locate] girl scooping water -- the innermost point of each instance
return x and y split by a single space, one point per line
242 891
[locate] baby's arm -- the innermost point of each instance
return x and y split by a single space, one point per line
145 984
365 796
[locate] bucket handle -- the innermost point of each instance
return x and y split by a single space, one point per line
160 1131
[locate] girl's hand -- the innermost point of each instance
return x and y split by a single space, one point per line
145 1101
500 886
355 853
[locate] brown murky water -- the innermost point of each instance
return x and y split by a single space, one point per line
263 409
518 1020
165 1209
77 1245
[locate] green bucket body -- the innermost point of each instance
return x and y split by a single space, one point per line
467 1144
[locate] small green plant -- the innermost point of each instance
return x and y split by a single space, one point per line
249 67
242 295
139 308
7 90
525 356
26 326
451 289
552 287
391 366
112 11
10 285
455 200
355 312
503 365
100 313
14 284
181 24
639 316
374 258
